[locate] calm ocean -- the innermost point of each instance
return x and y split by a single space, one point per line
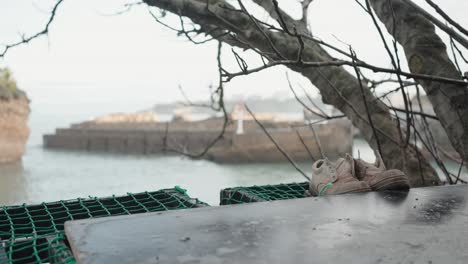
47 175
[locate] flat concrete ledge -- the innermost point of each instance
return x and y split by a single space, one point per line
424 225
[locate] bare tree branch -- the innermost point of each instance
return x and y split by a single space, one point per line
45 31
447 17
459 38
291 161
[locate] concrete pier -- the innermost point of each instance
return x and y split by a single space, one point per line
192 137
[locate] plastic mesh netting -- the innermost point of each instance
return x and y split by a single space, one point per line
239 195
35 233
52 248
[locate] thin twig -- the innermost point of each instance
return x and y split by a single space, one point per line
459 172
45 31
447 17
317 141
395 64
459 38
305 146
221 107
300 101
338 63
291 161
369 116
313 103
414 113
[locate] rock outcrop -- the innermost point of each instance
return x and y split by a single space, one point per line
14 130
14 114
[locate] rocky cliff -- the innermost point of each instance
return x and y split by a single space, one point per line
14 113
14 131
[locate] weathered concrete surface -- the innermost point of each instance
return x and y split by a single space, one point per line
14 130
335 139
193 137
424 225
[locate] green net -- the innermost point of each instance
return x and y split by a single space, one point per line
239 195
35 233
52 248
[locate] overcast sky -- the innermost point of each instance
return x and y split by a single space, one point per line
129 60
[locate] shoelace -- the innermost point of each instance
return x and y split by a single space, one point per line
324 188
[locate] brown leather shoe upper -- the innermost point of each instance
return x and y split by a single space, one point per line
366 171
345 169
378 177
335 178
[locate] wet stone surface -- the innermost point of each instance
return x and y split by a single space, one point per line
424 225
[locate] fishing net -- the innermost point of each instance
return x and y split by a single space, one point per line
35 233
239 195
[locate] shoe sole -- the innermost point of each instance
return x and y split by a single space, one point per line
358 191
397 182
353 191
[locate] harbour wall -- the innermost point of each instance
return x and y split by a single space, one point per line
193 138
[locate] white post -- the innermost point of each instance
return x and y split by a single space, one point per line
240 122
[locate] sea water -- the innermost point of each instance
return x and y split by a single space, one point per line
49 175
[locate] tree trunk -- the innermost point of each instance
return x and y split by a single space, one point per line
337 86
427 54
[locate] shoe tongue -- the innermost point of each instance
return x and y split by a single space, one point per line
379 162
352 163
368 168
342 166
331 170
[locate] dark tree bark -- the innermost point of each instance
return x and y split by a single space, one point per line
427 54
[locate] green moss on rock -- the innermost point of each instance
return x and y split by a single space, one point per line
8 87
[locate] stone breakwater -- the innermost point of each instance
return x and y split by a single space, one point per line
14 130
193 137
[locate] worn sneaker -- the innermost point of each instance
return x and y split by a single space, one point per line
338 178
378 177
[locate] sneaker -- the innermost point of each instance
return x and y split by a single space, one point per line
378 177
338 178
